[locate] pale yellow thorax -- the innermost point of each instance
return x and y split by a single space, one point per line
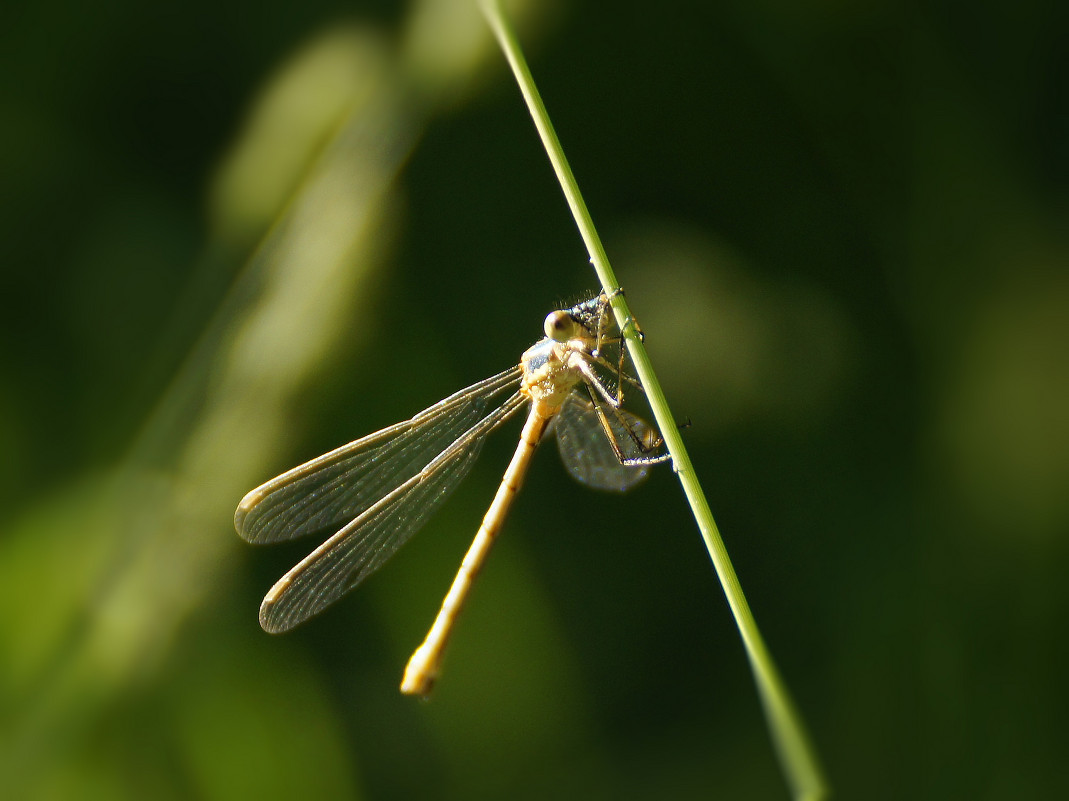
550 372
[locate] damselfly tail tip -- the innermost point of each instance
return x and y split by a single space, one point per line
420 674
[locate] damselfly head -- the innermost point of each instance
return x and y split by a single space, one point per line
560 326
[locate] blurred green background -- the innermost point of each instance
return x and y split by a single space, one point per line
237 235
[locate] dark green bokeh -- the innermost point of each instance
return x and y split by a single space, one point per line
844 232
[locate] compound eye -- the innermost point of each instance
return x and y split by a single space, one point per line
560 327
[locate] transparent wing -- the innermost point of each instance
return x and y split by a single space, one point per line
362 546
338 486
585 448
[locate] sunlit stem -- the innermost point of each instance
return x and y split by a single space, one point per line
795 750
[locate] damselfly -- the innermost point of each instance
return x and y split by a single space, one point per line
385 486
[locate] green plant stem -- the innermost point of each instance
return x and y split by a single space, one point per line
796 753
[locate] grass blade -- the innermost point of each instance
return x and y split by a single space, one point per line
794 748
